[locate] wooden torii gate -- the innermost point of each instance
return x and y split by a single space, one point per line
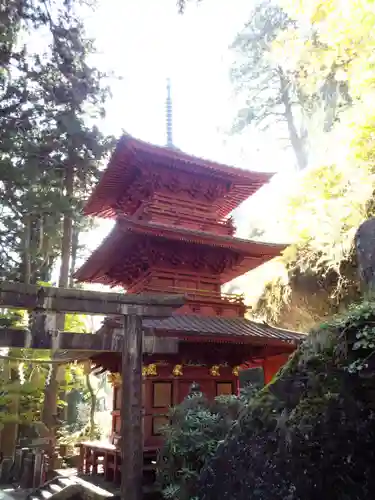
45 303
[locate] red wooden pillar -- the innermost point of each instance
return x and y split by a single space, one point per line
237 382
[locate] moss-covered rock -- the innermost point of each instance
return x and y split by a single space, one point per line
310 434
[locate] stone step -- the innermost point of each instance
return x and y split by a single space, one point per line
46 494
55 487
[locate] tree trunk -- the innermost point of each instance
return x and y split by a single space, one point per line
50 411
73 262
27 249
92 406
66 244
297 142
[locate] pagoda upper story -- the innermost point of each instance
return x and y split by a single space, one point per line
164 185
173 233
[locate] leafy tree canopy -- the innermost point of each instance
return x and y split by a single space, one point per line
336 194
269 99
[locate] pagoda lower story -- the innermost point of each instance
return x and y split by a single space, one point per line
184 349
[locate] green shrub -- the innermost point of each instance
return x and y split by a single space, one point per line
310 434
196 428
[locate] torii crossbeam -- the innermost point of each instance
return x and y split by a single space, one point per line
45 303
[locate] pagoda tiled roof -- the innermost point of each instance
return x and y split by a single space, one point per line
131 153
237 329
196 236
215 329
98 266
196 329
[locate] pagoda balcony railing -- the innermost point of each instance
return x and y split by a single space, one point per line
187 218
198 294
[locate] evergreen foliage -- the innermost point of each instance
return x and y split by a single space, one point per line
51 99
50 149
196 428
310 433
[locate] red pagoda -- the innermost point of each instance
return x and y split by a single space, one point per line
173 234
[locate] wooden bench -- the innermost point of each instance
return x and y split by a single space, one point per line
95 453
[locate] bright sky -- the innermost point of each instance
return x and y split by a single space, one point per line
146 41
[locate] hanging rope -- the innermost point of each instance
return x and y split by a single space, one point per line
21 373
64 361
49 374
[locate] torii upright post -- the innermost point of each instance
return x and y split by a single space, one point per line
131 410
133 308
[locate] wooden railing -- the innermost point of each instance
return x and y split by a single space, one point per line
199 294
185 216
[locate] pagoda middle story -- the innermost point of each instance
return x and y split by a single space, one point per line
173 234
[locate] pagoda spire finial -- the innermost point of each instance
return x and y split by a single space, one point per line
169 116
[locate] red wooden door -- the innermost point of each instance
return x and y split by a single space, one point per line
159 398
116 412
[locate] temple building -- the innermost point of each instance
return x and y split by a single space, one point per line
174 234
